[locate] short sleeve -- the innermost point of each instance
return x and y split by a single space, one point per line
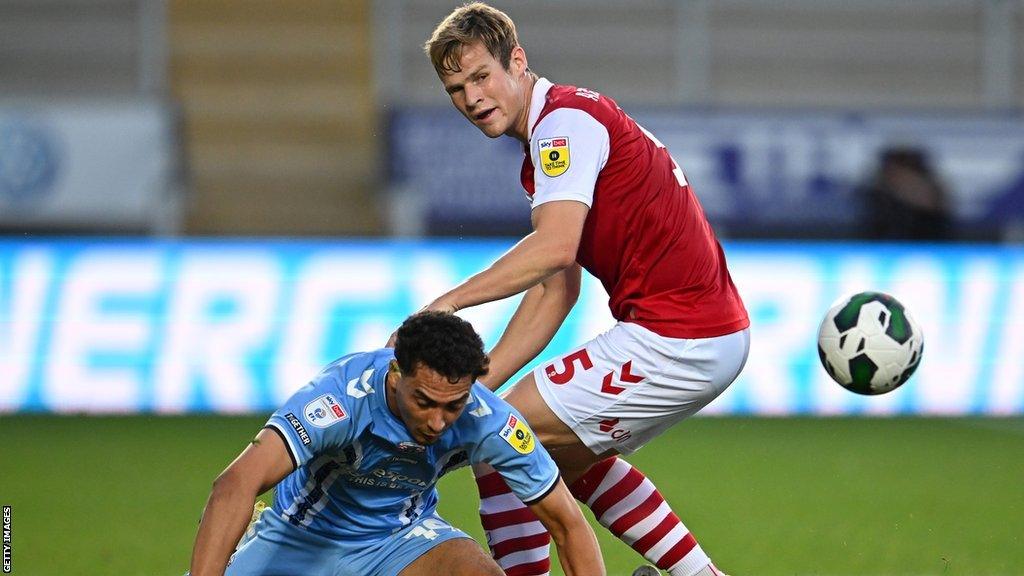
569 148
313 421
510 447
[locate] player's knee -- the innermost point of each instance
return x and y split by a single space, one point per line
574 462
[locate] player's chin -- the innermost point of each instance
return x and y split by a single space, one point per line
428 440
491 129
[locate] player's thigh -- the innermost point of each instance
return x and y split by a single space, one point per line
411 549
458 557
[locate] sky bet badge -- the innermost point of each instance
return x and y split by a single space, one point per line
324 411
518 435
554 155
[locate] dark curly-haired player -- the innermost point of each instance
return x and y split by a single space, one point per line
355 456
444 343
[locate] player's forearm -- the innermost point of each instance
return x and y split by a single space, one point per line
534 324
524 337
225 518
528 263
578 551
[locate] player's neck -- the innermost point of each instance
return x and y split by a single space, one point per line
521 128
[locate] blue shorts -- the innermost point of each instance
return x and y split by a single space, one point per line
279 549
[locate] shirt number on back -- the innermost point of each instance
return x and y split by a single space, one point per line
676 170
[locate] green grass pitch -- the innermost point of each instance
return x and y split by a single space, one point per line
764 497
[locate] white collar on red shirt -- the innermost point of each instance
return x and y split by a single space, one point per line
537 100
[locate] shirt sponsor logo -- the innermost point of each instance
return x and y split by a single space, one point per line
299 428
554 155
384 478
324 411
518 435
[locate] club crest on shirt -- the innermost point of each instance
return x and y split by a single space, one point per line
324 411
517 434
554 155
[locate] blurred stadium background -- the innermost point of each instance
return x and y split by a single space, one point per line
201 201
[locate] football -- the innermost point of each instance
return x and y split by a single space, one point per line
869 343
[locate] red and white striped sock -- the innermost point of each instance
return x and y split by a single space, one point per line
627 503
518 541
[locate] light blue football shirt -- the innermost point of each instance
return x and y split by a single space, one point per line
360 475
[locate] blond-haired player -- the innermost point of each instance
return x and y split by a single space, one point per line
607 196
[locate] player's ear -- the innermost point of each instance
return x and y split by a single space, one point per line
517 61
393 367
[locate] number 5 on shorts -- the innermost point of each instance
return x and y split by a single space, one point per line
568 367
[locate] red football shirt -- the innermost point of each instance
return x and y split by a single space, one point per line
646 237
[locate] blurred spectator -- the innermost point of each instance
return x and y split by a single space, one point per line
905 198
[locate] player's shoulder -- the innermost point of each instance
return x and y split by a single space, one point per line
352 380
484 410
362 366
568 101
576 97
487 415
571 114
334 406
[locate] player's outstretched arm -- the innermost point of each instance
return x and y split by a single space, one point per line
551 247
539 315
257 469
578 551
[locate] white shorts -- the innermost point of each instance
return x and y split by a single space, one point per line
629 385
